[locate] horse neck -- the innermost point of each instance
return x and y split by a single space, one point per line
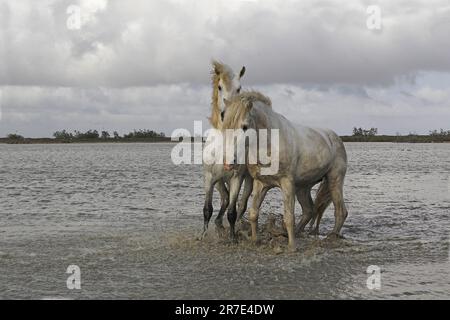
215 109
262 115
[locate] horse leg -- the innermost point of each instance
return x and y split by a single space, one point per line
288 188
248 188
340 211
259 193
208 207
321 203
224 201
235 186
306 202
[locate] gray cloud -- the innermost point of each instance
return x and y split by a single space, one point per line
145 64
140 43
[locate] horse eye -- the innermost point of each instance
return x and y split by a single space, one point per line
220 88
244 128
239 90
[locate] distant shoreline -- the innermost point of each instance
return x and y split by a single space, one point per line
81 141
381 138
398 139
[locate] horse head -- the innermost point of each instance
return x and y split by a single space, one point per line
226 84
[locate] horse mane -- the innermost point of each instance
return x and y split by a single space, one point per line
254 96
240 105
224 72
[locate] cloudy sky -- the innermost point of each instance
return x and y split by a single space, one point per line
145 64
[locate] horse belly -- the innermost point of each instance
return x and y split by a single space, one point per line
310 177
267 180
312 169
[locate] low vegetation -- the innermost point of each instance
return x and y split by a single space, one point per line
105 136
15 137
90 135
371 135
145 135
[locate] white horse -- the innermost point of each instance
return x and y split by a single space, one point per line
226 84
306 157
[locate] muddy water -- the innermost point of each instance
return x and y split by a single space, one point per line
128 218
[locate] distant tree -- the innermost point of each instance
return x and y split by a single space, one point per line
128 135
105 135
360 132
143 134
373 132
440 133
15 136
88 135
63 135
93 134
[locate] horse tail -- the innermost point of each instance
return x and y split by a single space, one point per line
321 202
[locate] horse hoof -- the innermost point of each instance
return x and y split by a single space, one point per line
201 237
243 235
255 242
334 236
331 236
233 240
221 233
242 225
292 249
219 225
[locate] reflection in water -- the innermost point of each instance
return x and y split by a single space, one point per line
129 219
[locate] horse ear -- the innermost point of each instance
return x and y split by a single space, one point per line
217 67
241 74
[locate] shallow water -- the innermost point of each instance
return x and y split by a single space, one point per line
129 218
